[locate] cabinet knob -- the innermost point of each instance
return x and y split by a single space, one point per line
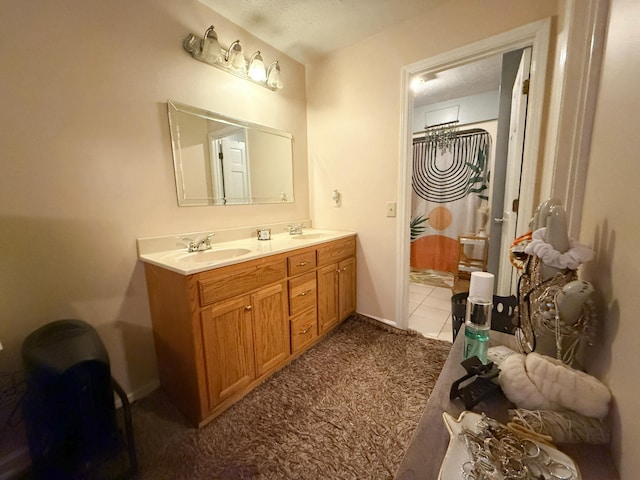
302 264
304 293
305 330
248 307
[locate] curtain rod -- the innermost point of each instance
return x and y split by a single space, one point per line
421 132
460 133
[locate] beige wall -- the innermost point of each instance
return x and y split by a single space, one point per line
87 167
610 224
87 163
354 127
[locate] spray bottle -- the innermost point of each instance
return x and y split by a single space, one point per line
478 316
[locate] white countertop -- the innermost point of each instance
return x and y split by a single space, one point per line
241 250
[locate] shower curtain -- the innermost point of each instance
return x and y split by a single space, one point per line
450 189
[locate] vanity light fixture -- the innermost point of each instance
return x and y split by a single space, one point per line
257 70
208 50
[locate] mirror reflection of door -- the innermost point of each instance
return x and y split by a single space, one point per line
230 162
482 91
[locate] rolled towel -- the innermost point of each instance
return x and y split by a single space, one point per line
518 387
570 388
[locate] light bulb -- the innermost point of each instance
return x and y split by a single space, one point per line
274 79
257 70
211 51
235 58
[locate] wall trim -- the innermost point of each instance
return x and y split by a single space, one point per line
580 49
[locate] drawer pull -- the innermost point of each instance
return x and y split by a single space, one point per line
305 293
305 330
248 307
302 264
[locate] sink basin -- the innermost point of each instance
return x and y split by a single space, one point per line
214 255
308 236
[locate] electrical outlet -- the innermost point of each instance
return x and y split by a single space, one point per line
391 209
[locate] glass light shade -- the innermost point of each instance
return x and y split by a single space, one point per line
274 79
235 58
257 70
211 51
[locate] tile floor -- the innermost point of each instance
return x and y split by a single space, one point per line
430 311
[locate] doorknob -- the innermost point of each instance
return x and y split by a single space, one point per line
499 220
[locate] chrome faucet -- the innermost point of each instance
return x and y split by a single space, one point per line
199 245
295 229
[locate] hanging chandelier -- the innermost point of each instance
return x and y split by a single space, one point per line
441 135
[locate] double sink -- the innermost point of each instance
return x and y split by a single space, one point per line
228 253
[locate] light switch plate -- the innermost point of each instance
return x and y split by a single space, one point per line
391 209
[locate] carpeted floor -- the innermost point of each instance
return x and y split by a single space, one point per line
346 409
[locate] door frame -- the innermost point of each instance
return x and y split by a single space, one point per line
536 35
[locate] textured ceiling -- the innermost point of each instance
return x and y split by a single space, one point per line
477 77
308 29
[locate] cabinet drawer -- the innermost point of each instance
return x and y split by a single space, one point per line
304 328
302 293
335 251
228 282
301 263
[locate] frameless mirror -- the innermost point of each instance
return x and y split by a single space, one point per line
220 160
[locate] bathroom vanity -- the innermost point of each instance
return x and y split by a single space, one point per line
223 322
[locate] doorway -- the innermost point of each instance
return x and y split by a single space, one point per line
534 35
464 170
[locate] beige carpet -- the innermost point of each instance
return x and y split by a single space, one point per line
346 409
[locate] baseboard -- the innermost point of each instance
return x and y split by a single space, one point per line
389 323
139 393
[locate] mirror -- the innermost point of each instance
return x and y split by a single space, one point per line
220 160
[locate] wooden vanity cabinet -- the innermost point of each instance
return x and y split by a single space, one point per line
336 282
244 338
303 299
228 348
219 333
270 328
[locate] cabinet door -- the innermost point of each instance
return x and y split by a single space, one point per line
346 288
270 327
228 348
327 297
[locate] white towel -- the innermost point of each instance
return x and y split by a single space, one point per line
571 259
539 382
